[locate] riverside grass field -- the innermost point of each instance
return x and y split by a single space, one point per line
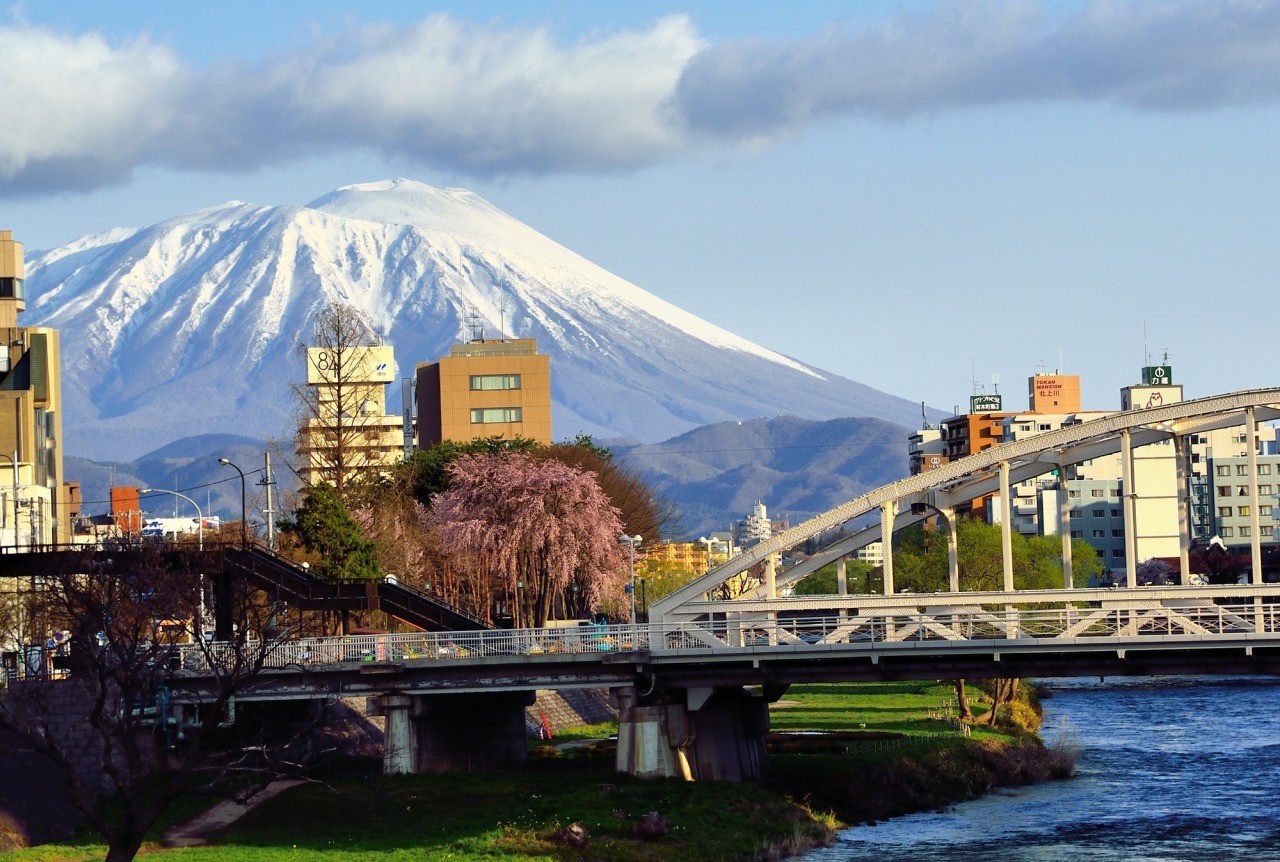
350 811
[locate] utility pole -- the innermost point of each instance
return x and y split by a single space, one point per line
269 512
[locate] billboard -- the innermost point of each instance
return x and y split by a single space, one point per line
350 365
984 404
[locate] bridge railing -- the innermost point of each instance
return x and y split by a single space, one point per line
869 630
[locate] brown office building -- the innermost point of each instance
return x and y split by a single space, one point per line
485 389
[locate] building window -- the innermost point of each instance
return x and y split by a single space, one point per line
1117 534
12 288
1264 511
1222 469
1228 532
1242 490
1096 492
1243 511
1224 490
1073 494
1264 530
490 415
1264 490
1098 513
1264 469
1245 532
1242 469
487 382
1117 513
1224 511
1077 534
1118 552
1099 534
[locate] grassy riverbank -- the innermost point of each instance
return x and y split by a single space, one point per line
886 758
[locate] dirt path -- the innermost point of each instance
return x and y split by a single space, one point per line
196 832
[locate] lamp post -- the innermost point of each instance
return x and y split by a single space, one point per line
199 514
707 543
631 542
244 516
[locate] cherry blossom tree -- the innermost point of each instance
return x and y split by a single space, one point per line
532 529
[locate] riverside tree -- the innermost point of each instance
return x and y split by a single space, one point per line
532 529
144 748
920 559
334 537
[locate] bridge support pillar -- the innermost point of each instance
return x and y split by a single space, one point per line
444 732
699 734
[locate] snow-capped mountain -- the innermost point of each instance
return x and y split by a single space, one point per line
191 326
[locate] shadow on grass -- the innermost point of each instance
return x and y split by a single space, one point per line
516 814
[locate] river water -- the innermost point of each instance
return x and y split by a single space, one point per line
1169 770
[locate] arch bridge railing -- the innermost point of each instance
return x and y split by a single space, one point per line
938 622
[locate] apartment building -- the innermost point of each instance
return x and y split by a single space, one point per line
34 510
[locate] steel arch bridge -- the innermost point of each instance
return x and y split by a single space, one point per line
937 494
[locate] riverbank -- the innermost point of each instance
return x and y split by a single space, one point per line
880 756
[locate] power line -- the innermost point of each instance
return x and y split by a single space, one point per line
247 474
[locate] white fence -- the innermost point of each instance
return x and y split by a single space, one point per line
1047 627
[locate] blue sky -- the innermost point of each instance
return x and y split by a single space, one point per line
908 194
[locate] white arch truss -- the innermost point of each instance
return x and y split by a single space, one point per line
971 477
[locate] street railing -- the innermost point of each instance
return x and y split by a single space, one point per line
1044 627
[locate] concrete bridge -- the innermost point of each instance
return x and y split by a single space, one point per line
456 699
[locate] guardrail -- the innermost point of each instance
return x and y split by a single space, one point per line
1050 628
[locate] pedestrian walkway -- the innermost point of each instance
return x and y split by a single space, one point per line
197 831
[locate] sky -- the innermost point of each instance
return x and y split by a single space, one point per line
921 196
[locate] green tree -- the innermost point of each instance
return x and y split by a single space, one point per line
920 559
861 577
327 530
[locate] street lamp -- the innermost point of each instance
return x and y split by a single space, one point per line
199 514
631 542
244 517
707 543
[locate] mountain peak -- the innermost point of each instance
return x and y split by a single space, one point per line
190 326
409 202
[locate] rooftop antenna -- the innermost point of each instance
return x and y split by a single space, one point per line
1060 363
924 418
1041 367
475 324
1146 354
502 322
995 384
974 386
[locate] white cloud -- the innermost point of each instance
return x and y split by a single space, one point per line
488 100
78 111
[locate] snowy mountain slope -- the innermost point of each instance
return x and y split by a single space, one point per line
191 326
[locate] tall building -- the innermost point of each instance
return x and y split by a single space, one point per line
485 389
348 433
33 508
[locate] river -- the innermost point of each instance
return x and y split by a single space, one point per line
1169 770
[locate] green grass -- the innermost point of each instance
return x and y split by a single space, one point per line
885 707
355 813
358 814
